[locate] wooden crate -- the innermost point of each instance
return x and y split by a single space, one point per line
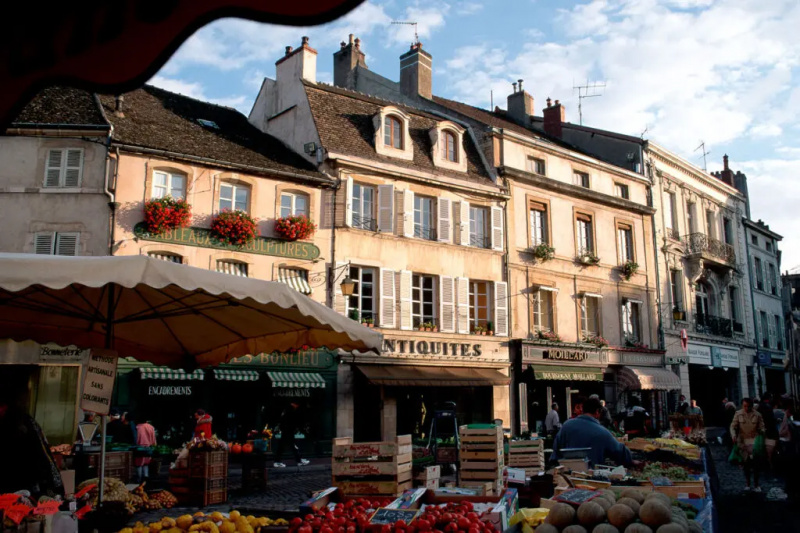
527 455
372 468
481 457
212 465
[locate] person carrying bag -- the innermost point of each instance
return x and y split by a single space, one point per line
747 425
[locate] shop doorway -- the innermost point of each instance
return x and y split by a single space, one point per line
775 381
709 386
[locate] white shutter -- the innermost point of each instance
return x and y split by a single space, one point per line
497 228
501 308
67 243
52 172
73 167
462 305
464 226
387 298
405 300
759 333
536 227
43 243
772 332
443 220
339 301
385 208
408 213
764 275
348 201
767 279
447 304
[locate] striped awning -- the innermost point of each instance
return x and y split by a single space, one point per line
228 374
644 378
163 372
296 278
300 380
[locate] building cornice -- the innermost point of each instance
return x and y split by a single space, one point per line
681 164
761 229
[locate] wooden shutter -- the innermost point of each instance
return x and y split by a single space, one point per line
328 199
772 332
462 305
497 228
67 243
339 301
759 333
464 226
443 219
43 243
767 278
52 173
385 208
408 213
501 308
405 299
73 168
387 306
348 201
447 304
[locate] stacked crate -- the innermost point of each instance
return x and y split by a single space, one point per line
427 476
208 477
372 468
481 457
527 455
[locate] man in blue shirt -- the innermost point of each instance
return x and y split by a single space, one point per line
585 431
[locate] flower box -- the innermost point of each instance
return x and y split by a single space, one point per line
543 252
629 269
294 227
236 228
164 214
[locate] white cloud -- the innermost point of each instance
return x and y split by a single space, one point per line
765 130
469 8
428 19
197 91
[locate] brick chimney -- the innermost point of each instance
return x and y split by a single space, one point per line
726 176
300 63
554 115
345 60
520 104
416 75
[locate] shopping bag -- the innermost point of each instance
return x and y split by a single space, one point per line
735 458
759 447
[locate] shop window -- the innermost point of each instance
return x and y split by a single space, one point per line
294 204
764 329
759 273
449 146
423 218
585 233
167 256
168 184
536 166
63 168
624 243
590 315
393 132
676 288
479 227
480 308
234 268
779 332
543 310
631 321
622 191
234 197
362 301
423 300
538 222
55 243
364 207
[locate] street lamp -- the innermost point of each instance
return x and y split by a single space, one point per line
348 286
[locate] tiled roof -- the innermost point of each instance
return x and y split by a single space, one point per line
62 105
344 120
484 116
158 119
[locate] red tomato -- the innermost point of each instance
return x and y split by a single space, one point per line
452 527
325 529
296 522
423 525
305 528
474 529
386 528
464 523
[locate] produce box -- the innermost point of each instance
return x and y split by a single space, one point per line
481 456
428 473
320 500
372 468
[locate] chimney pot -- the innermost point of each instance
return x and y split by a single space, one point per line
549 102
554 116
358 43
305 40
288 50
558 102
515 86
342 45
351 37
725 161
520 84
416 76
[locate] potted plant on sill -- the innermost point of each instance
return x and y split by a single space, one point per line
294 227
426 326
629 268
235 228
478 330
490 328
677 314
353 315
543 252
632 343
164 214
597 340
588 257
549 336
369 322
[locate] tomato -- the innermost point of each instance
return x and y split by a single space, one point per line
452 527
326 529
296 522
474 529
305 528
423 525
464 523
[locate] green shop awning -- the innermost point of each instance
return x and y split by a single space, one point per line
300 380
226 374
567 373
163 372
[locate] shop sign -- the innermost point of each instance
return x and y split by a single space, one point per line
98 382
634 359
158 390
292 392
555 354
699 354
302 358
677 359
763 358
531 354
724 357
567 374
202 238
420 347
53 352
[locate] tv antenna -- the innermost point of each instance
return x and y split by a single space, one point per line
590 90
409 23
705 153
646 129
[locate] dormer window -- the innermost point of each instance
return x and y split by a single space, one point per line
393 132
449 147
392 137
447 139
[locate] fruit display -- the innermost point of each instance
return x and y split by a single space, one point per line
212 444
216 522
118 500
449 518
658 469
352 515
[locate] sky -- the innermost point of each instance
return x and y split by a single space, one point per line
725 73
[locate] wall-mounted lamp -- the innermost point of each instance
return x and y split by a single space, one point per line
348 286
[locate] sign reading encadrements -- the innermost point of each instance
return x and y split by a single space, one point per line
98 382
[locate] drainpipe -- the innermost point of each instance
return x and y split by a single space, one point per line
512 393
756 375
331 280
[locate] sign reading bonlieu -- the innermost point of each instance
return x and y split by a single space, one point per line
98 382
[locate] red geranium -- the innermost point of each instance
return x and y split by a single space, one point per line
234 227
295 227
163 214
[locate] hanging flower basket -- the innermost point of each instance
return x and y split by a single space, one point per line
588 258
164 214
629 269
293 228
236 228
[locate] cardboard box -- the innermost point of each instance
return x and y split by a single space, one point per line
320 500
514 475
429 472
576 465
432 484
504 510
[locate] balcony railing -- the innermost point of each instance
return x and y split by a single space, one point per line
367 223
480 241
425 232
672 233
713 325
699 243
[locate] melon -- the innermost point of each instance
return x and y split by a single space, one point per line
605 528
660 496
608 493
603 502
637 527
574 528
671 528
546 528
634 494
561 515
620 515
591 513
630 502
695 527
654 513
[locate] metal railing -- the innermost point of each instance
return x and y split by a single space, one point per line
480 241
365 222
713 325
700 243
672 233
425 232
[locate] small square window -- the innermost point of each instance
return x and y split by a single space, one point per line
754 239
536 166
293 204
581 179
622 191
233 197
769 246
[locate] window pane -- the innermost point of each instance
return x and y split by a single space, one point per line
387 131
241 198
225 197
301 205
177 186
397 134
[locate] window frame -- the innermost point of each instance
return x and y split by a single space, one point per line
236 264
474 240
418 293
584 314
581 179
169 175
356 273
474 320
538 312
234 187
758 267
622 190
55 242
419 228
733 302
534 164
773 280
765 343
368 223
391 120
631 320
543 207
163 254
449 146
585 217
63 167
624 255
779 333
676 289
293 197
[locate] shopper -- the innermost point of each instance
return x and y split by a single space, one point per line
577 406
635 421
730 411
288 426
605 415
694 409
202 428
770 425
145 436
552 423
119 429
683 405
585 431
746 426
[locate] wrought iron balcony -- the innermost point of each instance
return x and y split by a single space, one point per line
713 325
702 245
365 222
480 241
672 233
425 232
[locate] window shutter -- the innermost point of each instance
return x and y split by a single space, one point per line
339 301
43 243
52 173
405 299
447 304
536 227
464 224
326 220
67 243
348 201
408 213
72 172
764 275
462 305
497 228
387 298
759 333
443 220
772 332
767 278
501 308
385 208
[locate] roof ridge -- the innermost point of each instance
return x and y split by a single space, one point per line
206 102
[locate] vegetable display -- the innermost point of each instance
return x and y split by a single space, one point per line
215 522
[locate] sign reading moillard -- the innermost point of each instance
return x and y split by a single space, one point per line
202 238
566 354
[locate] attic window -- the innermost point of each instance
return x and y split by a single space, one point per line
207 123
447 139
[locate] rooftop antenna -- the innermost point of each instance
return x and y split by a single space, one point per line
491 100
409 23
705 153
590 90
646 129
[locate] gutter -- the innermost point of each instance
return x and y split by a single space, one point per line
112 200
32 128
752 308
662 343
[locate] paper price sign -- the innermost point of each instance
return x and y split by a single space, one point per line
6 500
84 490
80 513
17 512
47 508
98 382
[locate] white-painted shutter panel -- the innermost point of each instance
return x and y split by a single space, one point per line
73 167
462 305
408 213
764 275
52 173
43 243
536 227
67 243
497 228
443 220
339 301
348 201
767 278
759 333
501 308
387 298
464 224
385 207
447 304
772 332
405 299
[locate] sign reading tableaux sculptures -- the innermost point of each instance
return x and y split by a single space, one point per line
98 381
203 238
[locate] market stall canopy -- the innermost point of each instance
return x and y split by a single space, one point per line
643 378
568 373
432 376
164 372
300 380
169 314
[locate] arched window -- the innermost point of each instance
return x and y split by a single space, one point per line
449 147
705 300
393 132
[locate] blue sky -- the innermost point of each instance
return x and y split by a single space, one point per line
726 72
